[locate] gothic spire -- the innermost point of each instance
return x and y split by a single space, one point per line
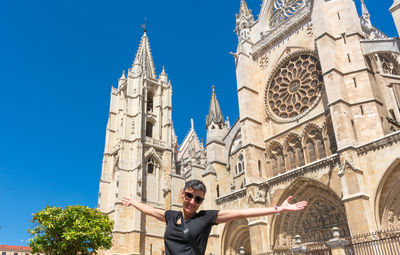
365 13
214 113
244 21
244 10
144 57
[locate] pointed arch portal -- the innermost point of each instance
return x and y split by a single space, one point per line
325 210
388 198
235 236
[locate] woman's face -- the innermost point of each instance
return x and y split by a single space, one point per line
191 200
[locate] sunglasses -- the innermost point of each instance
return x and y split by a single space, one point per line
189 196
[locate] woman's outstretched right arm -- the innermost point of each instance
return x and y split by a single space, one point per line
144 208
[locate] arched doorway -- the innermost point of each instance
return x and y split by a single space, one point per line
325 210
236 235
388 198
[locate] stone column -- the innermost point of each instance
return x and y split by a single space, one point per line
337 244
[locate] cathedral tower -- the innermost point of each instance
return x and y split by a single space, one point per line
138 154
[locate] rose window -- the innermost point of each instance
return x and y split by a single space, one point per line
294 87
283 9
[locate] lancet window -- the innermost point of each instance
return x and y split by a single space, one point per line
150 166
277 160
240 164
315 145
295 152
149 129
149 105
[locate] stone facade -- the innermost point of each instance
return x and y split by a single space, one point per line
319 99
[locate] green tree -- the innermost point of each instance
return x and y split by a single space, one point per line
70 231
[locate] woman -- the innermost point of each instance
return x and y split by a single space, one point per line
188 230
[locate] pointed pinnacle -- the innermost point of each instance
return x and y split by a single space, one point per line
144 57
365 12
244 9
123 75
214 112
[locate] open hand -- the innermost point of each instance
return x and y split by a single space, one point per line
127 201
286 206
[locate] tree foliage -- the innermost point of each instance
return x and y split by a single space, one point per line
69 231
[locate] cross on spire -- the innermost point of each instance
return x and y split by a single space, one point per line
144 25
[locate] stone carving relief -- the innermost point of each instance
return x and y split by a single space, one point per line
259 197
325 211
263 62
310 32
294 87
283 9
389 198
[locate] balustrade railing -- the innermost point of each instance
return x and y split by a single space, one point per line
382 242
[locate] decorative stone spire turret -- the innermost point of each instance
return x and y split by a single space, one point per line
244 10
163 76
123 77
365 14
122 80
144 58
244 20
214 113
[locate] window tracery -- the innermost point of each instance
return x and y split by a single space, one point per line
295 152
283 9
388 64
294 87
150 166
315 144
240 164
277 159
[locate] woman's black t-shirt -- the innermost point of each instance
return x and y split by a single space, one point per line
199 229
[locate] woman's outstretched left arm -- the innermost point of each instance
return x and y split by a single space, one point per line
235 214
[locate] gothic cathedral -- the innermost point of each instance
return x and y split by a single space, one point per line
319 99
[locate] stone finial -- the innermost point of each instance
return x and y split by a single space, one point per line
163 71
297 239
163 76
336 232
123 77
191 123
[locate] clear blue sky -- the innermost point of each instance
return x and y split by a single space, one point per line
58 60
